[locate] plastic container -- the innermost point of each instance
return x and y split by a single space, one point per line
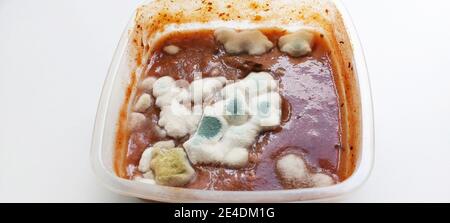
250 15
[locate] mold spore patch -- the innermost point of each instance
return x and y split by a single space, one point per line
297 44
252 42
294 173
230 126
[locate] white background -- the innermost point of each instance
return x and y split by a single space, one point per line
54 56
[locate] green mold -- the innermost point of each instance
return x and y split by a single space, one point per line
209 127
171 167
264 107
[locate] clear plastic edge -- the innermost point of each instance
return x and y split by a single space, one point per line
169 194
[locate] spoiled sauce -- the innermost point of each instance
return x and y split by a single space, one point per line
310 109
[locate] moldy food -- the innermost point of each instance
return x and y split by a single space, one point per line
230 109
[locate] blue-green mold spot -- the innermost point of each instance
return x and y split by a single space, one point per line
263 107
209 127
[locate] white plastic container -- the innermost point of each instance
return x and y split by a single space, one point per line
118 78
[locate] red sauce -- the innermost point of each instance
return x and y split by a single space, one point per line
310 126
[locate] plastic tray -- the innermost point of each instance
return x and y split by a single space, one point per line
251 14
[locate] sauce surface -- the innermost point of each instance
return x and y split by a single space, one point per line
310 109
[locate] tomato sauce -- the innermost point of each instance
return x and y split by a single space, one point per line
310 109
